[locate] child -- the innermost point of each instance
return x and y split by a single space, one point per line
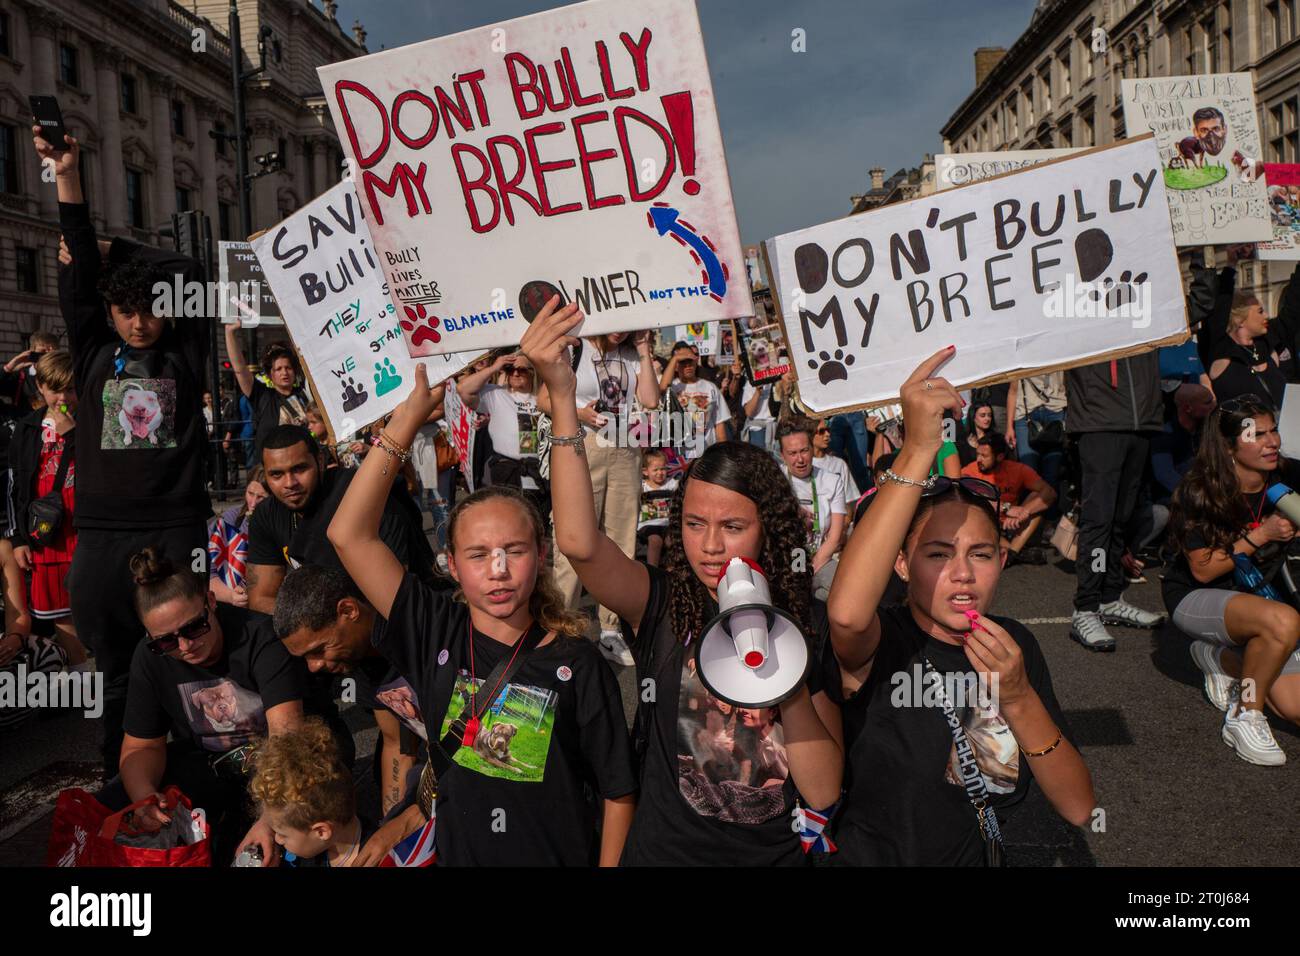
305 793
656 494
228 543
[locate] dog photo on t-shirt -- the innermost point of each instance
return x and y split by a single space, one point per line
221 714
399 697
514 734
139 413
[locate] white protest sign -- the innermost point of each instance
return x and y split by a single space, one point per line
699 334
1288 422
574 151
459 420
325 275
1209 148
1053 266
961 169
1284 208
241 279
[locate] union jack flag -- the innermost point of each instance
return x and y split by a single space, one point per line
418 849
227 552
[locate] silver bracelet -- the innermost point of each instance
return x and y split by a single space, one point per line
575 441
889 475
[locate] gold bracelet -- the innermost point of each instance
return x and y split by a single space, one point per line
1042 753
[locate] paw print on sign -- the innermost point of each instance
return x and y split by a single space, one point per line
421 326
831 369
1119 293
1094 252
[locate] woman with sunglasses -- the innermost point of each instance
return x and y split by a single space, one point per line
911 742
826 459
213 677
1231 543
512 424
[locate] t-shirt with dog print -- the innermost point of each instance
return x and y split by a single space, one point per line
222 706
549 742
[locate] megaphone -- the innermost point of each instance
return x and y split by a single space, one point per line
1285 500
752 654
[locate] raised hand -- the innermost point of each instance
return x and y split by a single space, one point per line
546 345
65 160
925 398
418 406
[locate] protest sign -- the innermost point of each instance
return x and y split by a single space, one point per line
1057 265
321 266
237 270
1284 210
574 151
700 334
1208 138
959 169
726 344
763 348
459 420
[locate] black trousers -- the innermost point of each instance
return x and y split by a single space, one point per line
1112 465
103 607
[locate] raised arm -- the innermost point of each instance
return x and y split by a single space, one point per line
648 388
614 580
238 362
868 559
469 386
354 532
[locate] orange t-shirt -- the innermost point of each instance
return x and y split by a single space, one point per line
1011 477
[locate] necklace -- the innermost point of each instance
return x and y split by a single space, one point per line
346 858
472 725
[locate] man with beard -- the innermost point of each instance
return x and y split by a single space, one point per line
1023 496
1211 129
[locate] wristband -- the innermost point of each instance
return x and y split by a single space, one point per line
574 441
1246 537
1042 753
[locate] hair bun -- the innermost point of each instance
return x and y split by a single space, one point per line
149 567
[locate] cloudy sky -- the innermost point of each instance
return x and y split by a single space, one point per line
877 81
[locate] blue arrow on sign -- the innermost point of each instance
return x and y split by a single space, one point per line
664 219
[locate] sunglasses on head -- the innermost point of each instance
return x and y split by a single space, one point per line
973 488
189 631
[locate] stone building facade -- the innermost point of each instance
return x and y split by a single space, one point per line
142 84
1058 85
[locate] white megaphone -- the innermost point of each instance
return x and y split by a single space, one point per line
752 654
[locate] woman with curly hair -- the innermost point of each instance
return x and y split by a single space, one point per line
718 784
1243 633
949 714
525 719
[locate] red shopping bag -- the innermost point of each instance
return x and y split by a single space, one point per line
85 834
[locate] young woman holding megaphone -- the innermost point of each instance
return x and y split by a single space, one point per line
724 782
932 760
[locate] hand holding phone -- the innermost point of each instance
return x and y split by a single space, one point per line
47 115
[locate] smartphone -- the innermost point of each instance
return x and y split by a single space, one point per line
47 115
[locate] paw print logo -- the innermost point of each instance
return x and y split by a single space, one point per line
831 369
422 326
1121 293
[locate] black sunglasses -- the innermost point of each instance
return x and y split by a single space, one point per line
189 631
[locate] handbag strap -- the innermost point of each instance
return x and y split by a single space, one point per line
972 777
65 460
441 756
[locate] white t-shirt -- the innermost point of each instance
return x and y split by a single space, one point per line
513 425
825 488
654 504
702 402
832 462
762 415
610 377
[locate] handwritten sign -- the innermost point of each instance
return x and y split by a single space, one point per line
1208 137
458 419
961 169
322 267
575 151
238 270
1056 265
1284 210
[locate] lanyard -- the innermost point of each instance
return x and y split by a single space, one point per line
817 511
472 725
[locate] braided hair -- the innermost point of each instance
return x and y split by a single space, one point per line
752 472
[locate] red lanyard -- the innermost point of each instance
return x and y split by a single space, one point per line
1259 511
472 725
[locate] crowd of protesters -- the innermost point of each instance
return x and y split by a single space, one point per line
629 468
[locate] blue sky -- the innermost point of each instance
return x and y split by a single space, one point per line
877 81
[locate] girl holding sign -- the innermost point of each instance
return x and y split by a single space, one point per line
949 714
719 784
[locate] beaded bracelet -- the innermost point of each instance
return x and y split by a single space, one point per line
390 448
890 475
1042 753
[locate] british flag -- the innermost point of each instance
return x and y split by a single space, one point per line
227 552
418 849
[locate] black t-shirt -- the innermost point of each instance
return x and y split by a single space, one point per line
270 409
1178 579
279 536
1240 377
322 861
715 783
224 705
905 805
551 741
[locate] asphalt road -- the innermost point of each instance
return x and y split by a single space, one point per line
1173 794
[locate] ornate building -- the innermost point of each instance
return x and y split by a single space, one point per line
143 84
1059 83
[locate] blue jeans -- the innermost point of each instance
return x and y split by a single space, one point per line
849 441
433 502
1048 466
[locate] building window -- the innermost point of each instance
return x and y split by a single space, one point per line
1284 135
1085 52
184 199
1045 89
220 128
1064 60
135 198
178 117
128 93
1013 125
8 159
1209 49
224 218
28 270
1027 95
1087 134
5 47
1189 63
69 67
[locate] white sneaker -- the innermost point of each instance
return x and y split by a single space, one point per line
615 649
1248 733
1218 683
1126 615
